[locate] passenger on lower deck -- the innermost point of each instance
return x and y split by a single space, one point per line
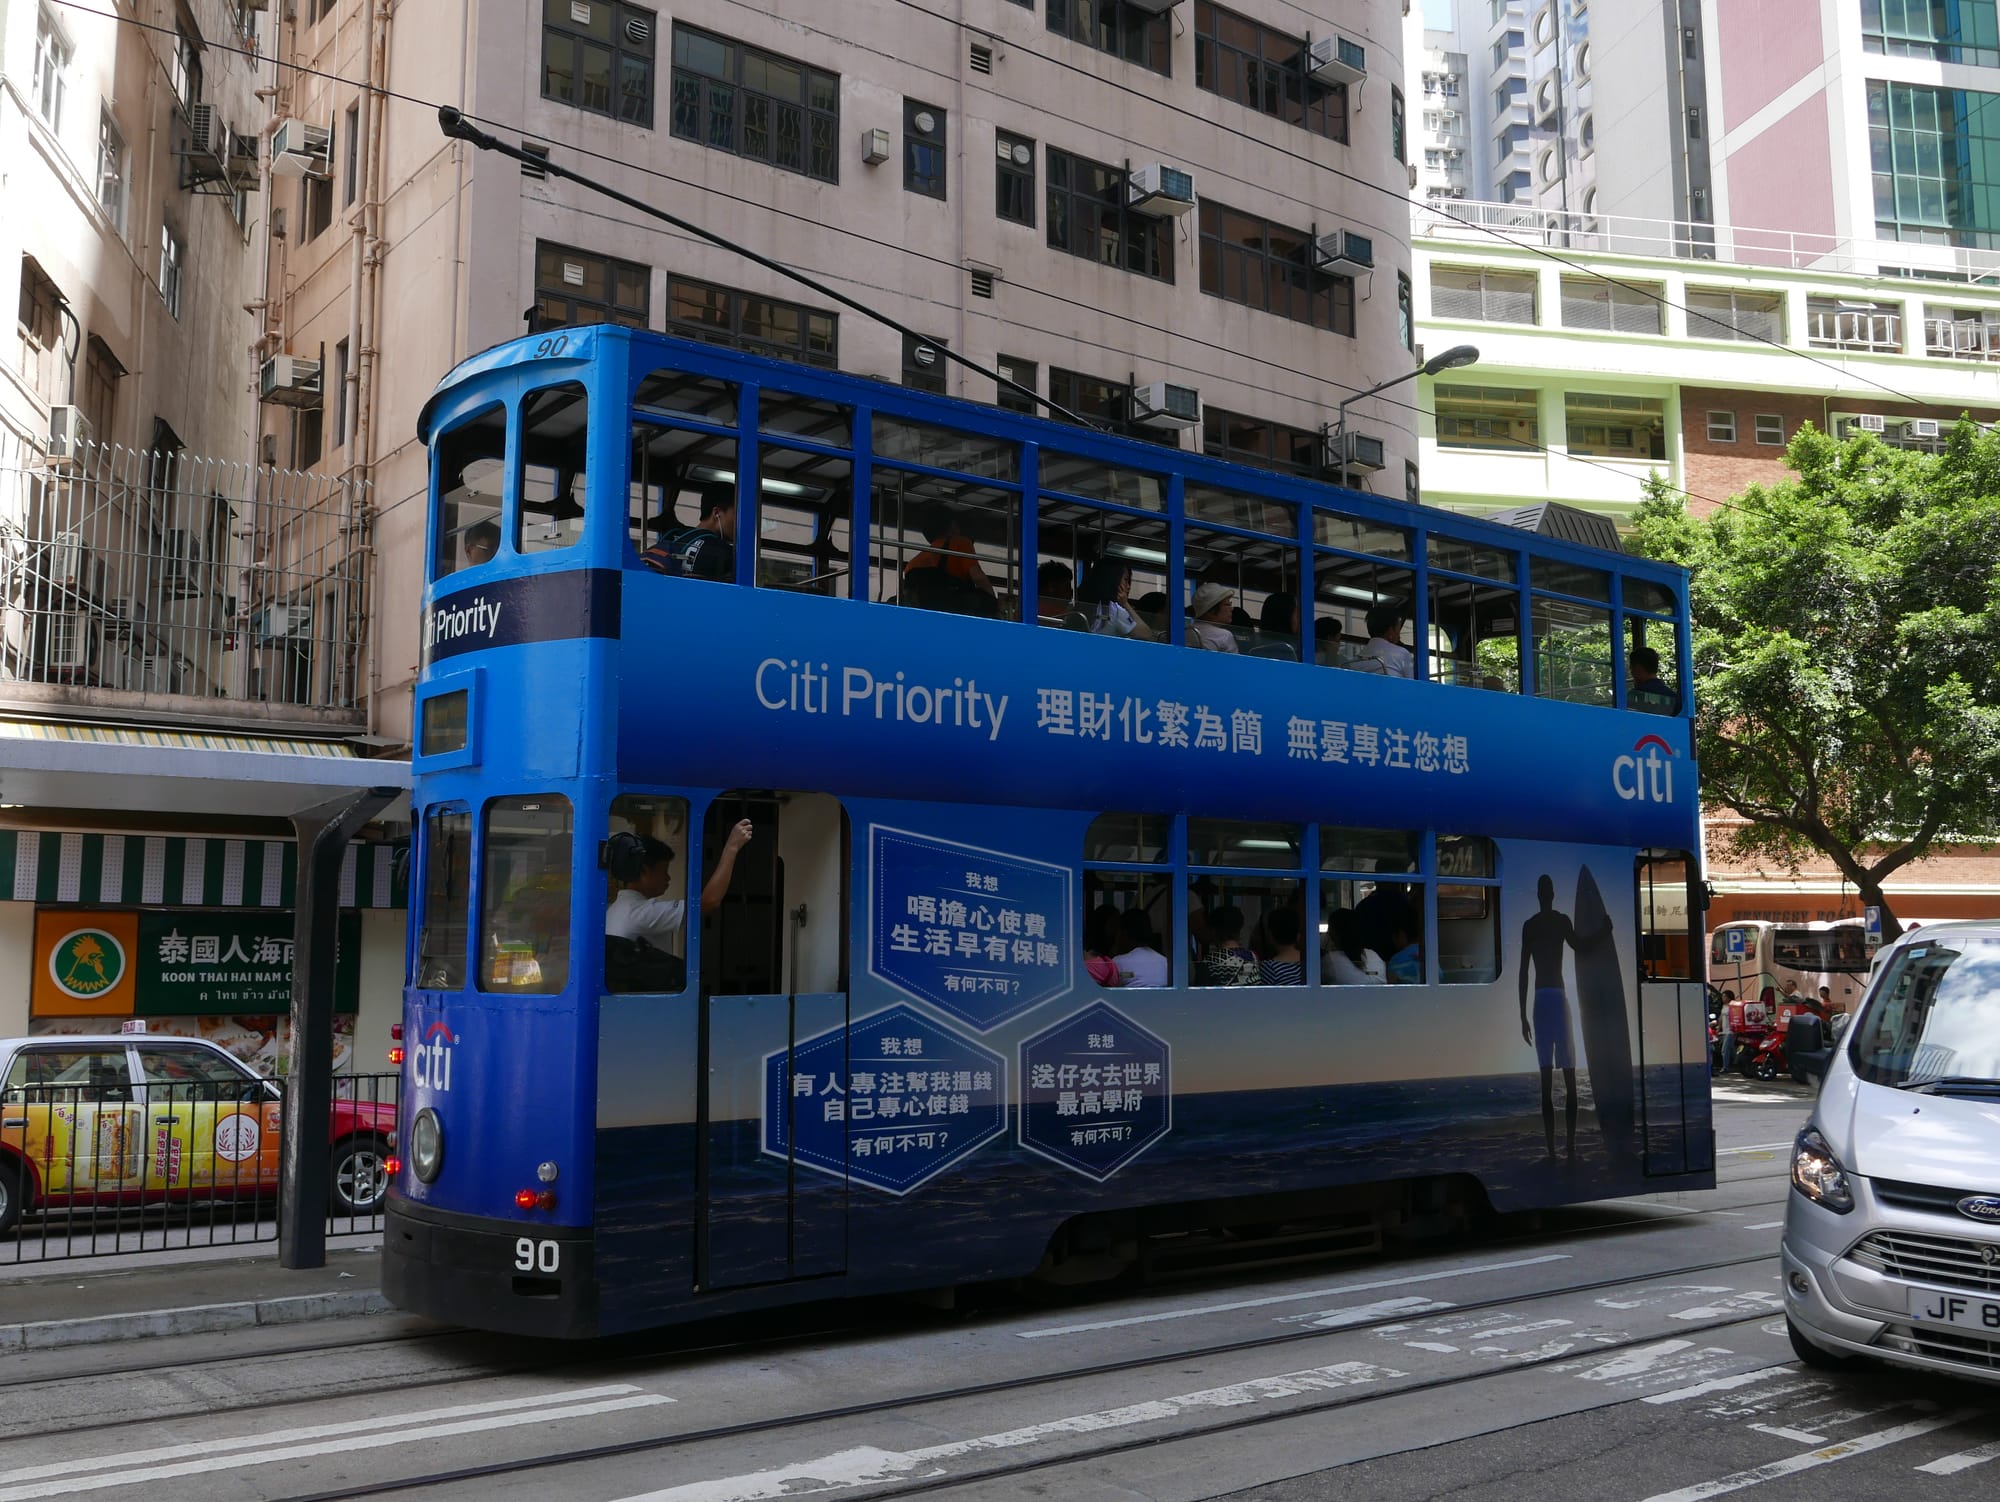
1286 966
1226 961
1345 959
642 924
1140 958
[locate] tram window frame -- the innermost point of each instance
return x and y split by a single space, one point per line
1481 883
1340 620
442 966
653 816
565 505
790 530
1253 568
1149 880
1234 865
1342 851
1653 947
529 973
1547 614
1636 630
664 494
1084 536
1494 662
970 526
452 521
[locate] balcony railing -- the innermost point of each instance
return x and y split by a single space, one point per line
153 583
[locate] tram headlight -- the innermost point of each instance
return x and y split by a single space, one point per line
427 1145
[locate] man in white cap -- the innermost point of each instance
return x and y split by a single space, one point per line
1208 618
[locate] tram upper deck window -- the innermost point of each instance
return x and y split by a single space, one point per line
445 854
830 424
805 504
1345 592
1118 562
942 543
1475 620
1573 647
555 428
672 393
1092 480
471 463
524 913
673 471
1253 608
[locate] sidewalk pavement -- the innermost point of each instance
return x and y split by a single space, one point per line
190 1291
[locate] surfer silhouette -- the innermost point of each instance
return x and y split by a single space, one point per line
1543 938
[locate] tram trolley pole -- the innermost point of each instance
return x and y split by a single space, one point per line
323 832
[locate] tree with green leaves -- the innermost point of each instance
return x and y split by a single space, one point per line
1846 651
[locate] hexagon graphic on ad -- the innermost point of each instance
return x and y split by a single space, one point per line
977 933
890 1101
1095 1091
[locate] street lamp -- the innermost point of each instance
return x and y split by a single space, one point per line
1458 355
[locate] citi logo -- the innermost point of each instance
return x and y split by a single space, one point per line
1647 775
431 1059
1984 1207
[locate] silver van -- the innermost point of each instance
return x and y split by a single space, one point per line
1892 1231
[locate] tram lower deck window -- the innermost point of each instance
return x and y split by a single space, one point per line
524 917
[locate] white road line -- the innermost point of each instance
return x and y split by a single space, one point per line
1720 1384
1813 1459
1290 1298
1762 1225
866 1465
1761 1147
1964 1460
1361 1314
1796 1436
321 1439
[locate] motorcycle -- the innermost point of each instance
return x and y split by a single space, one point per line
1767 1061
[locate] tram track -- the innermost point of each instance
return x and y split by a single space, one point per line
564 1358
901 1404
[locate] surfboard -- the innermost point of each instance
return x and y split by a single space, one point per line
1600 1000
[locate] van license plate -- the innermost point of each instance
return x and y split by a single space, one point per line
1964 1310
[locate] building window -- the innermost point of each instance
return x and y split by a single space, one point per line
52 55
1397 148
1483 296
757 104
1488 417
186 70
1412 492
170 268
315 206
923 149
572 287
1747 317
1606 426
1269 266
1771 429
760 325
1592 302
1021 373
1088 217
1929 146
308 436
351 175
598 56
40 328
1505 47
111 160
1108 402
101 374
336 395
1263 69
1721 427
1406 319
923 364
1014 178
1964 32
1122 30
1267 445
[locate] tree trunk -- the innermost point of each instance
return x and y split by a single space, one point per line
1870 892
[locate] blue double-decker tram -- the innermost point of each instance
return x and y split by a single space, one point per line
869 840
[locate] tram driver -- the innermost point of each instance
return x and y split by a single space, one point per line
643 927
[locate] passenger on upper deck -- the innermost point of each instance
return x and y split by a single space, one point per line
707 550
1645 689
643 867
482 541
1208 618
1105 597
1383 653
1277 634
1055 597
946 575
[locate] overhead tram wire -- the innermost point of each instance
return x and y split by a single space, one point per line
539 162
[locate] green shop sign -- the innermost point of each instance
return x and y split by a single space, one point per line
237 962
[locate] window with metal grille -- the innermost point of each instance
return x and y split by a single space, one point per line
1269 266
1263 69
923 149
111 160
1488 417
1406 320
1397 148
1751 317
743 320
598 55
1486 296
756 104
1612 426
1117 28
1021 373
573 286
1014 178
1591 302
1088 217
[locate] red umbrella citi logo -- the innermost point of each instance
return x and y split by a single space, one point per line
1647 775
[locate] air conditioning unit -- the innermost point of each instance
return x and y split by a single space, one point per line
121 615
240 168
301 150
66 637
69 432
1869 422
1334 59
1344 253
1363 452
289 381
64 562
1160 190
1164 405
276 623
208 133
1920 427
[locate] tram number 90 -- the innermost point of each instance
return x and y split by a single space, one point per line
549 348
531 1256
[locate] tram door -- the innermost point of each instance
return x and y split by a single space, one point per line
773 978
1674 1121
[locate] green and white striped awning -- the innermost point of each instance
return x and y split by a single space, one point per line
134 870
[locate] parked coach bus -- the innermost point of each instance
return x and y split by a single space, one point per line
869 840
